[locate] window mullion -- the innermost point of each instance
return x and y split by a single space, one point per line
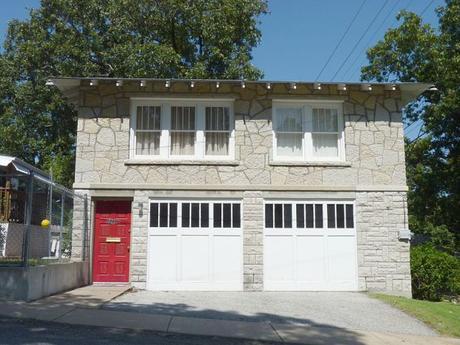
165 124
308 128
231 134
200 137
340 135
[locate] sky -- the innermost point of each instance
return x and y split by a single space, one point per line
299 36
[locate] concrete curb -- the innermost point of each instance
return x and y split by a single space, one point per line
262 331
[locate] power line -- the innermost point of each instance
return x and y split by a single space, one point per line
370 39
341 39
360 39
426 8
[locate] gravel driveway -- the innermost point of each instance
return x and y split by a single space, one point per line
351 310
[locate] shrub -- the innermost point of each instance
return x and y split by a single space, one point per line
433 273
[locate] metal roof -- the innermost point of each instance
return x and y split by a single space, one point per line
21 167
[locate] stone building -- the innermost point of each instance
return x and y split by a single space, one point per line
244 185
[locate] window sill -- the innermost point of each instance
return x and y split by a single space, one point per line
180 162
311 164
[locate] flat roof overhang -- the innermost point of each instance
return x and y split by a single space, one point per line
409 90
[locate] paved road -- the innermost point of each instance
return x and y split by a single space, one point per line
348 310
30 332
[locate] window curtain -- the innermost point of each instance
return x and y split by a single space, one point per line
182 130
217 131
289 132
325 133
148 130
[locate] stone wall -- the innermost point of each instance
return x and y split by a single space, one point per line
373 134
374 165
138 264
253 225
383 260
81 230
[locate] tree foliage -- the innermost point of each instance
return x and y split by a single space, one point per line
415 51
115 38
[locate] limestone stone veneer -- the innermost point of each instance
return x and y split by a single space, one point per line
373 173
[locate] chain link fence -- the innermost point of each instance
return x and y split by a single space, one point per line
41 222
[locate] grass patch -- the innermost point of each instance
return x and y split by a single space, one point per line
444 317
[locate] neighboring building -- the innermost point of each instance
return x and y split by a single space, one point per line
230 185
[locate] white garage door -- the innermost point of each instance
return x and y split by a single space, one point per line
310 246
195 245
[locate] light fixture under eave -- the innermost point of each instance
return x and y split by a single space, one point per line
119 83
167 83
269 86
143 83
293 86
342 87
366 87
317 86
93 82
217 85
49 82
390 87
243 84
192 84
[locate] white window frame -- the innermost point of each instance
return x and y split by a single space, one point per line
306 107
200 127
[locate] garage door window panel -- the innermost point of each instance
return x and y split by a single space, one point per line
330 216
163 215
185 215
340 216
154 215
318 216
308 216
204 215
236 215
226 215
349 216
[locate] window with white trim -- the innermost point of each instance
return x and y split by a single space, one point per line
148 130
308 131
182 129
217 131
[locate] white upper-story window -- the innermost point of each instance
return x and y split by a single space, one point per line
182 129
308 131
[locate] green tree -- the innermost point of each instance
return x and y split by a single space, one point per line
115 38
415 51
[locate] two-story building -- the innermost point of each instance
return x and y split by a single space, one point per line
244 185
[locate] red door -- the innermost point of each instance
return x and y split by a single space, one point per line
111 241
